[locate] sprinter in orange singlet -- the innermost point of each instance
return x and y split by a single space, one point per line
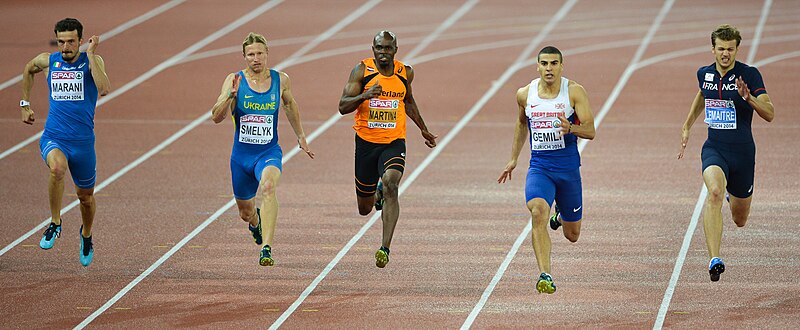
379 91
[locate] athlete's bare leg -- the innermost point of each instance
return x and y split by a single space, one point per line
391 204
269 201
715 182
540 212
740 209
88 207
57 162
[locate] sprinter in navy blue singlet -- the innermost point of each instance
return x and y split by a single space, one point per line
254 97
74 79
554 111
730 91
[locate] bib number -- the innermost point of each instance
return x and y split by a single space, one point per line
720 114
255 129
66 85
383 113
545 135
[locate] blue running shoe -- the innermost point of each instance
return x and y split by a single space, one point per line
87 249
256 231
382 257
50 234
554 223
379 198
266 256
545 284
716 267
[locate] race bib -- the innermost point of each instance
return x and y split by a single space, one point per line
383 113
720 114
255 129
66 85
545 135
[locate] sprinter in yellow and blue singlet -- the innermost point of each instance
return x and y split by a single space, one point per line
254 97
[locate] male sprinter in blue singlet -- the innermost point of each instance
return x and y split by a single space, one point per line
256 158
729 93
556 112
75 79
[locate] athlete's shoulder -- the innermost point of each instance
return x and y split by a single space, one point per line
707 68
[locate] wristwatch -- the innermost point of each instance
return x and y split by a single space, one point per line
23 103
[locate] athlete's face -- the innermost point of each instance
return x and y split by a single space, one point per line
256 56
68 44
550 67
725 52
384 50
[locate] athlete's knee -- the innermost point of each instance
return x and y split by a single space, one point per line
390 189
247 213
715 194
740 221
539 216
572 235
58 170
268 188
86 197
364 206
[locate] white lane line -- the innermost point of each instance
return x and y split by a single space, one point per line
170 62
687 239
219 33
340 25
581 146
751 55
466 7
310 288
117 30
776 58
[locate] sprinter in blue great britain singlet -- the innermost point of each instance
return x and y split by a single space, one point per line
256 158
555 112
729 93
75 79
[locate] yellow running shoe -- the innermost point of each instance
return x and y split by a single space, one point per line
266 256
382 257
545 284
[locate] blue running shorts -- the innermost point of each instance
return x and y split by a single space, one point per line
563 187
246 170
81 159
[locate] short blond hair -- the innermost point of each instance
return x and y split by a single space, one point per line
726 32
254 38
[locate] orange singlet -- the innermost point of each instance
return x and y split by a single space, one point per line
383 119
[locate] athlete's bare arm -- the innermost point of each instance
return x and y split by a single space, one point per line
694 111
352 95
412 111
34 66
520 133
761 104
293 113
98 67
580 102
227 97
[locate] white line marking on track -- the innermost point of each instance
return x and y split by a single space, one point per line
117 30
466 7
341 24
687 239
216 35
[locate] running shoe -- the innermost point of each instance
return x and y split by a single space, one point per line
382 257
87 249
554 223
545 284
266 256
256 231
52 232
716 267
379 198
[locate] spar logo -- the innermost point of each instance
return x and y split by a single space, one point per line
711 103
261 119
383 104
66 75
540 124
